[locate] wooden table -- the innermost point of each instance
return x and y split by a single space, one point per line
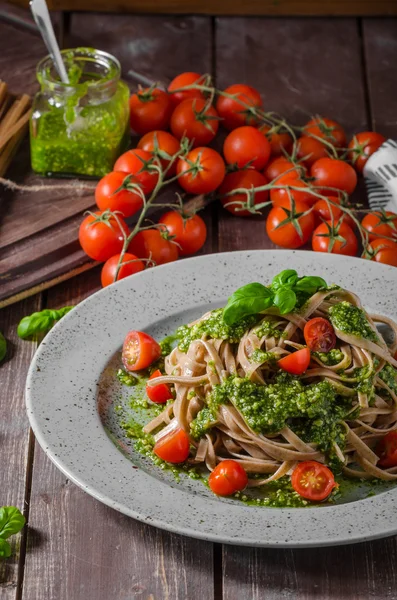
75 548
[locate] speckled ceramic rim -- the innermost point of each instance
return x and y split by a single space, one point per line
61 401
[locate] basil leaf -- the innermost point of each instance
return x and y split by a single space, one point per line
3 346
40 322
5 549
287 277
285 300
11 521
247 300
310 285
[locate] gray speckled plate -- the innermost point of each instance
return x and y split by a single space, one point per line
71 391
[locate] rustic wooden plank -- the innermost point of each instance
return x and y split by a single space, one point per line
312 71
380 44
14 430
234 7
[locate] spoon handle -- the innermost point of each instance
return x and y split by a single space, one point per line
43 21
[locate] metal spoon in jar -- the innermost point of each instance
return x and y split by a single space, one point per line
43 21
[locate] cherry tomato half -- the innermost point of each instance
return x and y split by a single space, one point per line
189 233
139 351
108 273
232 110
173 448
295 363
386 449
246 146
319 335
312 480
227 478
158 393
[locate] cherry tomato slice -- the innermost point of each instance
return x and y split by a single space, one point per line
174 447
312 480
386 449
158 393
319 335
227 478
296 363
139 351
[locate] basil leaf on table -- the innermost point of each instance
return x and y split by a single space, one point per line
288 277
310 285
40 322
247 300
5 549
3 346
11 521
285 300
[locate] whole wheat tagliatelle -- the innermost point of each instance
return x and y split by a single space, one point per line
364 399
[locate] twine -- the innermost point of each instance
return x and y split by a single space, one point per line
76 186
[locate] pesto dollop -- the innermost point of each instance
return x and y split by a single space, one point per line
261 356
266 328
389 375
351 320
331 358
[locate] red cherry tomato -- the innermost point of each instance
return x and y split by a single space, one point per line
184 80
161 145
295 363
246 146
327 129
150 109
195 119
319 335
140 164
207 175
386 449
309 150
290 235
232 110
333 173
140 350
130 265
345 242
173 448
158 393
282 196
280 141
153 244
246 179
312 480
189 233
107 196
362 146
385 251
380 224
227 478
100 235
280 165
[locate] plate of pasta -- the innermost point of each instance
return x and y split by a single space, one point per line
245 397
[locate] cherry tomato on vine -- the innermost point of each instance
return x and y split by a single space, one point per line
280 141
201 171
140 164
380 224
319 335
280 165
174 447
323 210
282 196
334 173
108 273
232 110
140 350
154 244
295 363
161 145
290 230
385 251
227 478
150 109
158 393
344 242
246 179
309 150
195 119
100 235
362 146
189 232
327 129
107 196
184 80
246 146
386 449
312 480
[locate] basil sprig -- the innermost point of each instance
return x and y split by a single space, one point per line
3 346
40 322
11 522
282 294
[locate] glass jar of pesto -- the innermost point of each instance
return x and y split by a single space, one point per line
79 128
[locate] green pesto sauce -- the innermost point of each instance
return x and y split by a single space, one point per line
214 327
389 375
351 320
267 329
167 344
331 358
261 356
127 378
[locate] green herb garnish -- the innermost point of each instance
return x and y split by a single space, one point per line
40 322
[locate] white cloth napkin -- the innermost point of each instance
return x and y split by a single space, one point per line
380 174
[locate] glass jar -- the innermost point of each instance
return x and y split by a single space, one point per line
79 128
